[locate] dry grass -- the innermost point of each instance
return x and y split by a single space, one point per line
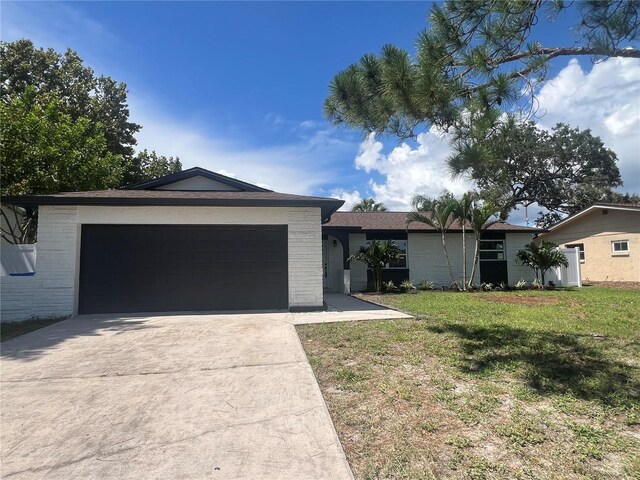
467 394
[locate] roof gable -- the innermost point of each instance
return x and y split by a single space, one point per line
629 207
197 179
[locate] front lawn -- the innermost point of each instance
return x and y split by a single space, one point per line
526 384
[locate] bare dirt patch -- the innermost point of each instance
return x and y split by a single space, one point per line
622 285
521 299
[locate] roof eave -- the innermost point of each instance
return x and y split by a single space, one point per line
584 212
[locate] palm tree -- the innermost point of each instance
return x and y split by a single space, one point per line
542 257
368 205
376 255
437 214
481 217
461 211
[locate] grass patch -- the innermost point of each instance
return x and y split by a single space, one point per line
10 330
487 385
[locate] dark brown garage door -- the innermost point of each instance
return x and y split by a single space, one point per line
154 268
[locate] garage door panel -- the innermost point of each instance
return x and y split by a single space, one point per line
136 268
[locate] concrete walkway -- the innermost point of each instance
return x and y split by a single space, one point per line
176 396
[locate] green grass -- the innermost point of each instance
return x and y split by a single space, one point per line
9 330
523 384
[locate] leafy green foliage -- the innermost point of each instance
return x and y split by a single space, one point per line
368 205
45 150
376 256
477 57
150 165
476 62
64 129
541 257
471 213
438 214
564 170
76 88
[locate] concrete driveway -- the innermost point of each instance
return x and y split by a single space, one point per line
179 396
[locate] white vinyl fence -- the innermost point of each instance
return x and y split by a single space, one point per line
567 276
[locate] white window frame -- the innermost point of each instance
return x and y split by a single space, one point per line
619 253
503 250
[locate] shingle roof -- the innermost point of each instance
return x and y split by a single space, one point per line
178 198
169 194
368 221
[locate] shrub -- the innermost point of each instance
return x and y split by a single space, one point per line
389 287
407 286
520 284
541 257
425 285
486 287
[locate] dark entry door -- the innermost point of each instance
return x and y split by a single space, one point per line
153 268
493 271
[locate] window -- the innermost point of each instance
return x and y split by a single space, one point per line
402 261
580 246
492 250
620 247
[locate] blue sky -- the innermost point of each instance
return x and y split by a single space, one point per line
238 88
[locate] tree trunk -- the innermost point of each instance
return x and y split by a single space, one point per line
464 257
446 256
476 254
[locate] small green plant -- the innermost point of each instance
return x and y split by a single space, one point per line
389 287
520 284
376 255
425 285
541 257
407 286
458 441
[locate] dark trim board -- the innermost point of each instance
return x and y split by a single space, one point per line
157 268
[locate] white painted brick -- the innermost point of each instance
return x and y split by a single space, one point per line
52 291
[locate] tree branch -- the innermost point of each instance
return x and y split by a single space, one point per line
563 51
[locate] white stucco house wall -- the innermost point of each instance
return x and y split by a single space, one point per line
423 257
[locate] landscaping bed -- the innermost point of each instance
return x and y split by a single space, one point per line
522 384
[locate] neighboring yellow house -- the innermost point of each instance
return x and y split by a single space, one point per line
608 235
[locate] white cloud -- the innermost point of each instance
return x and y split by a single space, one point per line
308 124
408 171
350 198
303 167
605 99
